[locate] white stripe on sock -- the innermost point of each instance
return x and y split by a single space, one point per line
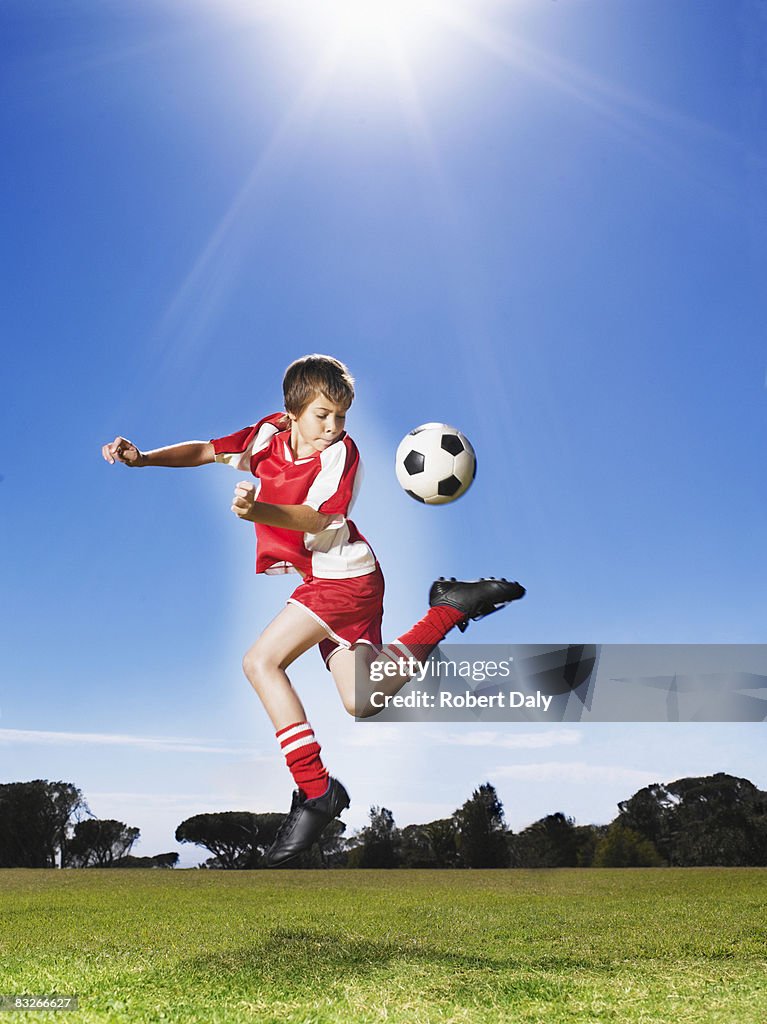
294 730
297 744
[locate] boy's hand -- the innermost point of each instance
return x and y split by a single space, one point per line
244 500
123 450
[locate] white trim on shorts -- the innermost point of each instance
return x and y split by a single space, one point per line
342 644
333 636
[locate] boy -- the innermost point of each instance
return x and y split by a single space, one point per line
308 469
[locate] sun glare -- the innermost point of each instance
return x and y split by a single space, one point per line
365 33
371 22
356 39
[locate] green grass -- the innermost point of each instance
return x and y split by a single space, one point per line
406 947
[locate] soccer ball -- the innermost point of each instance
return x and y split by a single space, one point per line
435 464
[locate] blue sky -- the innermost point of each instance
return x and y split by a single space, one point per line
541 221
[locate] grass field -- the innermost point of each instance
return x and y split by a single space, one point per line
402 947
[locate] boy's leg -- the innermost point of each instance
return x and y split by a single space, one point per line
453 603
286 638
318 798
290 634
350 670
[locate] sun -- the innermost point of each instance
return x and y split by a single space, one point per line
369 37
372 24
361 34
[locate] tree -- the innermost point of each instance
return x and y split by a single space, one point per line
548 843
25 842
622 847
166 860
240 839
67 807
587 839
715 820
415 848
481 830
434 845
231 836
378 844
160 860
719 821
649 812
100 842
443 837
35 820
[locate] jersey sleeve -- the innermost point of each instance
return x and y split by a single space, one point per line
335 487
237 449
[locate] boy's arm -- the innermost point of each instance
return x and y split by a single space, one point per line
302 518
187 453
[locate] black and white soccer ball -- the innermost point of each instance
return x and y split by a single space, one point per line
435 463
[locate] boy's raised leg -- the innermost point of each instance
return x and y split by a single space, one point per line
453 603
475 598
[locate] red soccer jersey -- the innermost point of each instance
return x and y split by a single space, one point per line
327 481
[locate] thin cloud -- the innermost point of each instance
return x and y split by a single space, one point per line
384 735
163 801
513 741
574 772
164 744
368 734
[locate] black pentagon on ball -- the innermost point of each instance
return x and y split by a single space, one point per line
416 496
449 486
452 443
414 463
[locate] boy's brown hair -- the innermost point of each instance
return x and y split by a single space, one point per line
316 375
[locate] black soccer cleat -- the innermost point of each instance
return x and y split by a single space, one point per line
476 598
305 823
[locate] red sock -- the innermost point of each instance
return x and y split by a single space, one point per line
423 637
302 753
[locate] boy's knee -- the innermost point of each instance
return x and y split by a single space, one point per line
361 708
254 664
350 706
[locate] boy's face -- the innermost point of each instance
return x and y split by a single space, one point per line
317 426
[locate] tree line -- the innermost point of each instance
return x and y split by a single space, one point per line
716 820
49 824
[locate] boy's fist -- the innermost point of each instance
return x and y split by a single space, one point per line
123 450
244 500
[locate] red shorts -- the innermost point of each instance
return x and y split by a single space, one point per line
351 610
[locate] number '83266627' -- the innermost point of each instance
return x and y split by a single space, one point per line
29 1002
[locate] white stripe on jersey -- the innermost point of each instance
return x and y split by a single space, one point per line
358 478
241 460
327 481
